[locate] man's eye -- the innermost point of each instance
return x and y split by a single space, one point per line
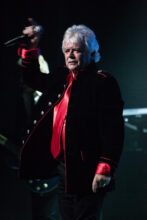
78 50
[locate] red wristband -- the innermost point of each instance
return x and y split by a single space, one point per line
104 169
31 54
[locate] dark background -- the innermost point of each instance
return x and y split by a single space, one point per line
121 29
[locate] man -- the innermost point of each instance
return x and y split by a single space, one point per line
82 132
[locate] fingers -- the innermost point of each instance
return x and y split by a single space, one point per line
99 184
100 181
29 31
33 29
95 184
94 187
33 33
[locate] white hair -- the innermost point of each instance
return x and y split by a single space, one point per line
84 35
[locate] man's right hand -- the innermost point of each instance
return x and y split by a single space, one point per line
32 34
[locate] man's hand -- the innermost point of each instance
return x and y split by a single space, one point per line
33 32
100 181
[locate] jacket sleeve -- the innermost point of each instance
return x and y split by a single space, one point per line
33 77
111 125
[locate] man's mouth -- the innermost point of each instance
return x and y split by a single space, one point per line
72 62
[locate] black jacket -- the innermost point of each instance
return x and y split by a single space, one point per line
94 126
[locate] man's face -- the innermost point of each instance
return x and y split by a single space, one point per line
75 56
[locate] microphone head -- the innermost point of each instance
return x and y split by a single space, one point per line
38 29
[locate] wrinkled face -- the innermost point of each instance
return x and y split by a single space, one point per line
75 56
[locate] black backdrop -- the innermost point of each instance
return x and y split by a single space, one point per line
121 29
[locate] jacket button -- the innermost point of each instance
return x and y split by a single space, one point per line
38 188
45 185
28 131
42 112
50 103
59 95
23 142
34 122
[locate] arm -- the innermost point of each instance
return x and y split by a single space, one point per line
111 128
33 77
29 53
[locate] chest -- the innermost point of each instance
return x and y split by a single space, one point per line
84 98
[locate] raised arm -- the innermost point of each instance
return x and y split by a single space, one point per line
29 52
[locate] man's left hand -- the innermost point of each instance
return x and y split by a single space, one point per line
100 181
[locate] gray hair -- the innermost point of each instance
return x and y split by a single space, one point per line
83 34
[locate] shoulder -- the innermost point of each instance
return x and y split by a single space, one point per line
103 74
104 77
105 81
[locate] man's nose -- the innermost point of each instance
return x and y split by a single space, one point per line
71 54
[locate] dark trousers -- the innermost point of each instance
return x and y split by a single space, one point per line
45 207
78 206
81 207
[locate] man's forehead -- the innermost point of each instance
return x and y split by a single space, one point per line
69 44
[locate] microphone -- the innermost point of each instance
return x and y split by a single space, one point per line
22 37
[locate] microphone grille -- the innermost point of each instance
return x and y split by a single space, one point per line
38 28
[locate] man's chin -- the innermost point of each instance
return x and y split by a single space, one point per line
71 65
73 68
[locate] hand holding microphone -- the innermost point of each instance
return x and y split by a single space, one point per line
31 35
